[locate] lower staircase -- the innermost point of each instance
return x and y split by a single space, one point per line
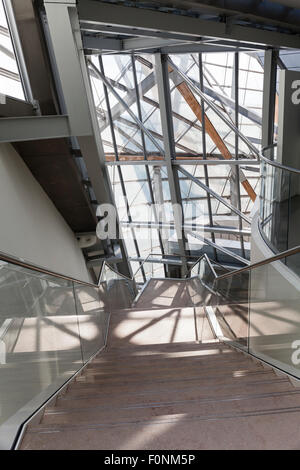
165 382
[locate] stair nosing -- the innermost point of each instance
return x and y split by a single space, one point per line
80 427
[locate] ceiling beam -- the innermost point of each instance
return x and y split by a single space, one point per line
109 14
16 129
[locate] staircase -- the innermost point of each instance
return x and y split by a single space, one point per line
165 382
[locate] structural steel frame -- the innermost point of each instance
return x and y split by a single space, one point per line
67 20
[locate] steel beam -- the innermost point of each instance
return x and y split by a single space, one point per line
117 15
269 96
163 87
127 108
187 226
236 169
148 83
214 194
219 247
201 83
102 44
218 46
123 188
16 129
180 161
14 107
151 192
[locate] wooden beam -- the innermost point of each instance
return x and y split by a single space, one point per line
195 106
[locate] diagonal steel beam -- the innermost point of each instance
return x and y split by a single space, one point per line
125 105
183 84
219 247
214 194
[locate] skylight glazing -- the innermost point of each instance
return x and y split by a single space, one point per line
130 124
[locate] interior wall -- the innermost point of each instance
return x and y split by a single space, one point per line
31 227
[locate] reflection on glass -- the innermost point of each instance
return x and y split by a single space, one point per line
92 317
279 209
49 327
230 301
39 335
275 315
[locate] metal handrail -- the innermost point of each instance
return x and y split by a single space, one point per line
283 254
208 262
276 164
116 272
26 265
163 256
23 264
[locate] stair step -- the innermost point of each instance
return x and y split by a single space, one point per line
167 363
155 371
157 387
157 375
162 348
144 386
96 397
272 429
202 407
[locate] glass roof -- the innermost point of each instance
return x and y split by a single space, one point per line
132 98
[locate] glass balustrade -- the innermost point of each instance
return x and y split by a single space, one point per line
280 207
49 328
274 315
256 309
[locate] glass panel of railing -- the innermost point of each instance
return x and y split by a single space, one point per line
120 289
93 315
274 300
202 279
279 209
230 304
39 342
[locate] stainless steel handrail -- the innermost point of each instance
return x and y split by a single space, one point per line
276 164
26 265
283 254
116 272
163 256
208 262
23 264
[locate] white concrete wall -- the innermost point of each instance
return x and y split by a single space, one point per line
30 225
